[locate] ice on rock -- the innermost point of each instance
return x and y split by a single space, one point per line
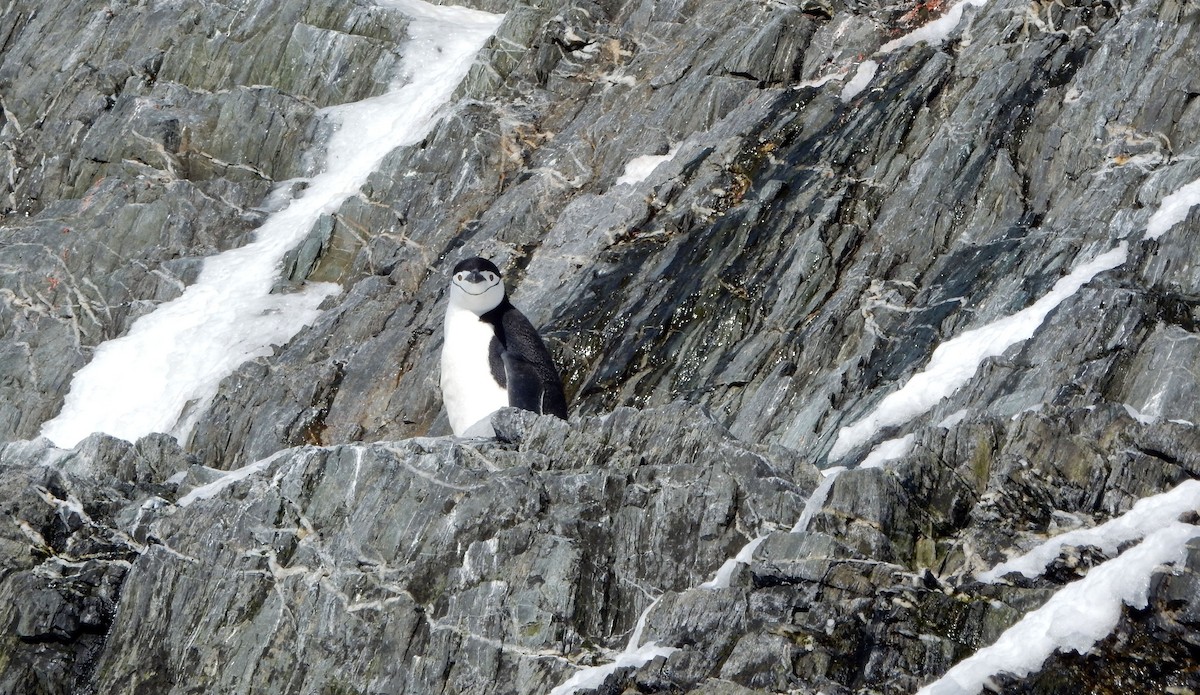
934 33
725 573
862 77
594 676
639 168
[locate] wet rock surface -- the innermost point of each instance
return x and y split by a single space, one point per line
797 257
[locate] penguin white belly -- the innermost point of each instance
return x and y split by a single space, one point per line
469 390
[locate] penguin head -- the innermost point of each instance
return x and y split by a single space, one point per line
476 286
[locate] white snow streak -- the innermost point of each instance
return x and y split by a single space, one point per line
725 573
1173 209
639 168
212 489
636 638
953 419
935 32
1075 618
593 677
955 361
632 656
862 77
1147 515
172 360
889 450
817 499
820 81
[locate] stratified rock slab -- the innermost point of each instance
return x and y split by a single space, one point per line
431 564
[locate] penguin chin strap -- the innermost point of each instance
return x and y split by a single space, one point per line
476 294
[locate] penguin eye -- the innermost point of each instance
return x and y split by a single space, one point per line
491 277
460 277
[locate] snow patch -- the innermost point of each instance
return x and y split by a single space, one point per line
1075 618
818 497
594 676
725 573
862 77
1145 517
639 168
953 419
162 374
619 78
1173 209
820 81
636 638
955 361
935 32
889 450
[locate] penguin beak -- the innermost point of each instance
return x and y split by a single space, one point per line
476 282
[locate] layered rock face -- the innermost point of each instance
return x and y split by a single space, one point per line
945 248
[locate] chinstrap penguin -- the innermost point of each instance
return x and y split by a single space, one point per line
492 356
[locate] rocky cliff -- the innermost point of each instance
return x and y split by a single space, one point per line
878 323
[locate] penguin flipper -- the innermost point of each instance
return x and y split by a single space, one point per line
528 369
526 390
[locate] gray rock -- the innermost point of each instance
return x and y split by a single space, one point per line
481 561
65 559
797 259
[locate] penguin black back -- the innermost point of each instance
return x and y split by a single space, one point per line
520 362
